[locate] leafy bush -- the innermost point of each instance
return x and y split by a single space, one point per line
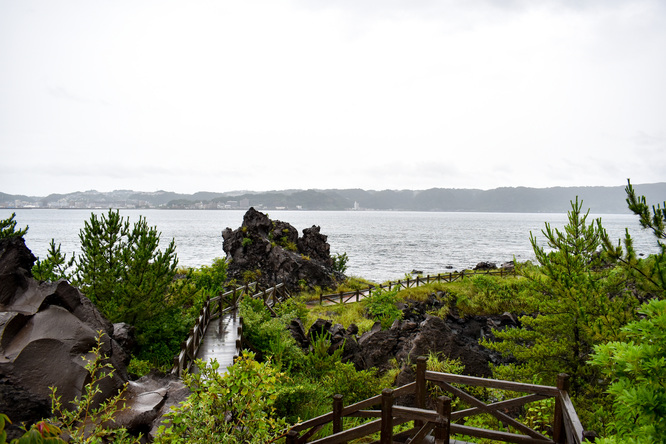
237 407
636 369
340 262
269 335
381 306
209 279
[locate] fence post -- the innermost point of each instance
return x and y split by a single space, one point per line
443 427
559 433
386 433
337 413
420 386
292 437
341 301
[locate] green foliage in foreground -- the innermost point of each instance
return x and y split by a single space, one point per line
237 407
311 377
636 368
8 228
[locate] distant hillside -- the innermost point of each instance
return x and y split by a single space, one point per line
510 200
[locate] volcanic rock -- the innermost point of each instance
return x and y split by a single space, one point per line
47 334
272 253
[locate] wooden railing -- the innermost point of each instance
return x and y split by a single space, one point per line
441 422
213 308
216 308
273 296
357 295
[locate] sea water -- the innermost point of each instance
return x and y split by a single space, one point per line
380 245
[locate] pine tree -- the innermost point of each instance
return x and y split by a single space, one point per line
571 309
8 228
55 266
122 270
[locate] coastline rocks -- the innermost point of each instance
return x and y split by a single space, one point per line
271 252
481 266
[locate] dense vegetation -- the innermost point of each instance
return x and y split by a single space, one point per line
589 307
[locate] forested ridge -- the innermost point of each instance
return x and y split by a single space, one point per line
506 199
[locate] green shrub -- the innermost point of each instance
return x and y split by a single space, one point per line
340 262
237 407
381 306
636 370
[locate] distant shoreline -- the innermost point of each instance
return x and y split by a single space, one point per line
601 200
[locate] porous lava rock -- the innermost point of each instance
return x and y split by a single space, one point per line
272 252
416 334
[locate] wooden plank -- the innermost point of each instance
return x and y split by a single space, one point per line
493 383
413 413
496 435
322 419
375 400
571 417
353 433
510 403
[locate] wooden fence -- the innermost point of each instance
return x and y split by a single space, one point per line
213 308
216 308
441 422
273 296
357 295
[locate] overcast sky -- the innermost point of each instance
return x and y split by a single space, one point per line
219 95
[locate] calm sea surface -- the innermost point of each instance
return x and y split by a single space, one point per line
381 245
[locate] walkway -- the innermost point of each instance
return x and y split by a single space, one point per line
219 342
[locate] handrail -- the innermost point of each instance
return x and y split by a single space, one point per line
189 348
566 425
356 295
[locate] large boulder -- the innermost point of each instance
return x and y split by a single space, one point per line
272 252
46 328
47 333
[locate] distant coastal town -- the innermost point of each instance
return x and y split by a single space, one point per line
243 204
505 200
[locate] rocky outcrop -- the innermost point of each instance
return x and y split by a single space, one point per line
417 334
272 252
46 328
